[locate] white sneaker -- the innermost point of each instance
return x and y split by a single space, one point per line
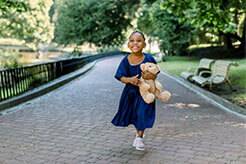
134 142
139 143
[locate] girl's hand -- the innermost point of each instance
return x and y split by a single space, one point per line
133 80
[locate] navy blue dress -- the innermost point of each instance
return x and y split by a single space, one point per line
132 108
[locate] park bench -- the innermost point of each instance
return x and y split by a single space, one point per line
203 70
219 75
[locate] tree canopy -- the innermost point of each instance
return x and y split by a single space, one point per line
180 22
175 24
25 20
165 27
99 22
220 17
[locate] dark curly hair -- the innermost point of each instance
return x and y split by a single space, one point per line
137 32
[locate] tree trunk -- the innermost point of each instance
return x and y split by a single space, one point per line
243 43
227 42
242 46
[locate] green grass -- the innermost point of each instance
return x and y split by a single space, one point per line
238 75
175 65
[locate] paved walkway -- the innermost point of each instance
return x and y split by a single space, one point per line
72 125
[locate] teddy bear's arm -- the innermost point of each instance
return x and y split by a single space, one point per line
158 85
160 94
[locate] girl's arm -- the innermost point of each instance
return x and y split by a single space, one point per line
130 80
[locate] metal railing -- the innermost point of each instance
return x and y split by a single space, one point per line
15 81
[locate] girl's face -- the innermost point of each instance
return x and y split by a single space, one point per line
136 43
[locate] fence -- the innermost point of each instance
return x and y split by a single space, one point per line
19 80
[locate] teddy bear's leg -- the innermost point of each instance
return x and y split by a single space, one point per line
146 95
149 98
158 89
164 96
158 85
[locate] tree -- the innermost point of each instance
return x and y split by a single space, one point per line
219 17
158 23
25 20
10 21
6 6
100 22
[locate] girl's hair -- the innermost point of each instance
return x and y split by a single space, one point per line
139 33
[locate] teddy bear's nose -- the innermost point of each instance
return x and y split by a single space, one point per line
158 72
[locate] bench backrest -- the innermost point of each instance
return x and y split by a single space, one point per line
221 68
204 64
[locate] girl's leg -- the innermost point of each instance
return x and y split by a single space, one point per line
138 142
140 133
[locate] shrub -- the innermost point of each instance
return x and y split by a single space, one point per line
9 59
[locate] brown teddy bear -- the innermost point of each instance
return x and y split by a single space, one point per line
149 87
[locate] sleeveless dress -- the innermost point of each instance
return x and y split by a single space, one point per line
132 108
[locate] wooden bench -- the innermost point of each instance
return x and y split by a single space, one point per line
220 75
203 70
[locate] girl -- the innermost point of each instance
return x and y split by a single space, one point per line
132 108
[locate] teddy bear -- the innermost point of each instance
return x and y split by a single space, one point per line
149 87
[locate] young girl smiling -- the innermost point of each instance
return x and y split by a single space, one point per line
132 108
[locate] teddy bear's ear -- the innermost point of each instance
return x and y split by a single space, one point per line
142 67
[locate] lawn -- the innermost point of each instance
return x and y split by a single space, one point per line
174 65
